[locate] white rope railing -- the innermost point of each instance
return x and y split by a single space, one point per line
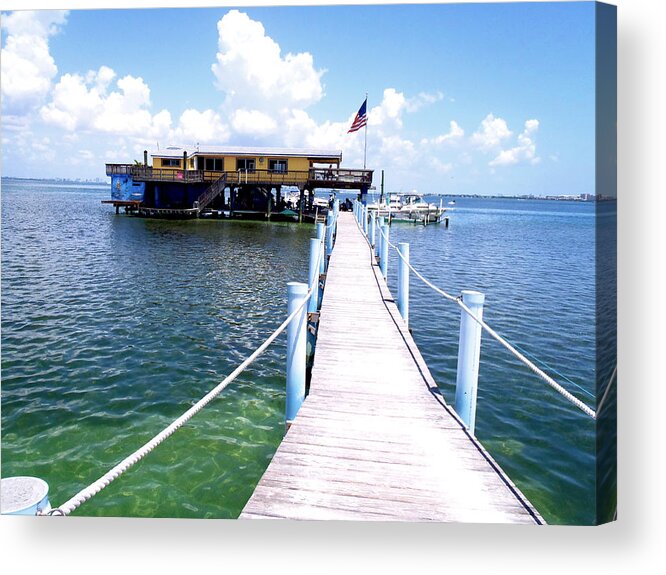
94 488
543 375
549 380
611 381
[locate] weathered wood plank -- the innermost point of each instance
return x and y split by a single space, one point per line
398 493
371 441
446 487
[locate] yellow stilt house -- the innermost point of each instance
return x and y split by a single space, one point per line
237 180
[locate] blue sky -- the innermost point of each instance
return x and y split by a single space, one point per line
462 98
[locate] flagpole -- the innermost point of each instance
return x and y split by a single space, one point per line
365 146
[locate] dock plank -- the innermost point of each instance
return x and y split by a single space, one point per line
374 441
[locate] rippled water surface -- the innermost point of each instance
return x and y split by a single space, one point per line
535 262
112 326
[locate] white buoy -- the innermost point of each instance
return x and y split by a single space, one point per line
24 496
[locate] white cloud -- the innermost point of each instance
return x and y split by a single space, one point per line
492 132
15 123
116 155
27 66
267 94
423 99
253 123
389 112
43 148
441 167
386 146
525 151
455 134
199 127
40 23
397 152
252 72
84 103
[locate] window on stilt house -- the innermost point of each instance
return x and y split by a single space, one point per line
277 165
214 164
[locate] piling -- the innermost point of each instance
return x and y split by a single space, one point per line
321 231
24 496
296 350
378 245
469 351
313 276
403 281
329 234
373 223
383 258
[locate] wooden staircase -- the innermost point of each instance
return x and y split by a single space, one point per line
214 190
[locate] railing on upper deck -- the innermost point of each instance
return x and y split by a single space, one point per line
146 173
340 176
271 177
316 177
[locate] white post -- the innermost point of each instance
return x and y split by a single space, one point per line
403 281
378 245
321 232
24 496
383 261
313 276
329 235
373 224
469 352
296 348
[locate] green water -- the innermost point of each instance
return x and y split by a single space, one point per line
113 326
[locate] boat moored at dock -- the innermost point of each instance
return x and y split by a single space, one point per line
409 208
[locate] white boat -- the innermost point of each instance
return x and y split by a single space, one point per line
413 208
409 208
384 206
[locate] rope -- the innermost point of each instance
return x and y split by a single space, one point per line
613 379
571 398
332 224
549 380
97 486
551 368
417 274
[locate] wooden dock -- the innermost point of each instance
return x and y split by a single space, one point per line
374 440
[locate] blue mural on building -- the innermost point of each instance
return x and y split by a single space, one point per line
125 189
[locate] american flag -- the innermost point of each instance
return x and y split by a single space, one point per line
361 118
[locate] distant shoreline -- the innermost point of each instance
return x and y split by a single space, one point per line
563 198
59 180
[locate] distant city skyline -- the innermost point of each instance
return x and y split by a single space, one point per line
491 99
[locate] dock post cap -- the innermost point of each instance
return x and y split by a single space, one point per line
24 495
297 288
473 297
